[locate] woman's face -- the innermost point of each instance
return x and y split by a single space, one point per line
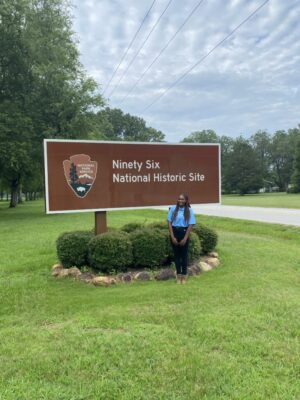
181 201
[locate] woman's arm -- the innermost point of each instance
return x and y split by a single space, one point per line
174 240
183 241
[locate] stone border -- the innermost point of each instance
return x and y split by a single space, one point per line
203 264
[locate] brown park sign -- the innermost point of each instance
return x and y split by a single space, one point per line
100 175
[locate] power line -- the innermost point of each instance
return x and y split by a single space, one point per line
129 46
204 57
164 48
140 48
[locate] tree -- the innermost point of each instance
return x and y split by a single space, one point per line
243 174
282 153
204 136
15 148
296 170
261 143
99 126
128 127
226 143
44 90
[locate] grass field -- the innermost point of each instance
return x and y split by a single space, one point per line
231 333
280 200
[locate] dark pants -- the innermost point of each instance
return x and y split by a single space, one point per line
180 252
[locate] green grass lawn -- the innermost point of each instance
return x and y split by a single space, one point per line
231 333
281 200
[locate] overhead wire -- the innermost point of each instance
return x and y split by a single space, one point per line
140 48
205 56
163 49
129 46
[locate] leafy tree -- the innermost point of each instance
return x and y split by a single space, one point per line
44 90
204 136
226 143
261 143
15 148
296 170
282 151
99 126
33 184
243 174
128 127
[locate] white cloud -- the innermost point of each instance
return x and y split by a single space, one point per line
251 82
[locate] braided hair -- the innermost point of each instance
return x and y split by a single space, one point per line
186 212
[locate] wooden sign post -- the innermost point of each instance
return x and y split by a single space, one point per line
100 222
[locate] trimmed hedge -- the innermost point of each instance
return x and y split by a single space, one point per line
72 248
194 249
131 227
135 244
159 225
149 247
208 237
110 251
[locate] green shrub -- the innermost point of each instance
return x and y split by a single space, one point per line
208 237
72 248
110 251
194 250
109 229
163 227
158 224
149 247
131 227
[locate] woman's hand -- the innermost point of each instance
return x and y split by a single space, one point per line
174 240
183 241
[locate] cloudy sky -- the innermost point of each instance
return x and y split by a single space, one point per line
250 82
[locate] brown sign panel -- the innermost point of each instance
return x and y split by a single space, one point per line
100 175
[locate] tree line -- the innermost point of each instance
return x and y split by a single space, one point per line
264 161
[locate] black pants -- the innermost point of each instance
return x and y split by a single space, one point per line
180 252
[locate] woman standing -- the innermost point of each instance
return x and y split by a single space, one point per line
180 221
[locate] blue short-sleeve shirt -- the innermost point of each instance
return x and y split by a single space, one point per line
179 220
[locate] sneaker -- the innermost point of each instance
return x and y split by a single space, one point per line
183 279
178 278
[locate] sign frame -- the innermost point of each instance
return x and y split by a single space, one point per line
119 142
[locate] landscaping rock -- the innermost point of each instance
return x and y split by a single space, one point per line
124 277
74 272
63 272
213 261
165 274
103 280
194 270
57 266
142 276
56 271
204 266
213 254
86 277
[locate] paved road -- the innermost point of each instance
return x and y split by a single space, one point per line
284 216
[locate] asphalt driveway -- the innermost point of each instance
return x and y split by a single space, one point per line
284 216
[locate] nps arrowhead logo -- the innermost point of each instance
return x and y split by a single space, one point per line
80 173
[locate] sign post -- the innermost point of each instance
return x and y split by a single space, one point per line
100 222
